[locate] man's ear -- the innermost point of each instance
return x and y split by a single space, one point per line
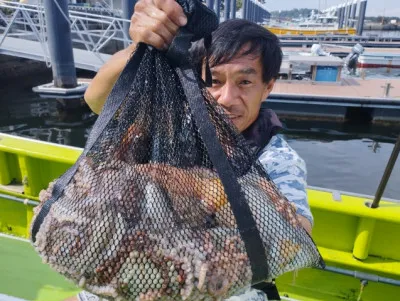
268 88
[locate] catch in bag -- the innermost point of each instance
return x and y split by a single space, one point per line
167 201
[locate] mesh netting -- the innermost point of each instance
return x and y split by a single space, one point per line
144 214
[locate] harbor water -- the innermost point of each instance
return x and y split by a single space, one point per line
339 156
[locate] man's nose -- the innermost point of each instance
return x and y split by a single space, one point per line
228 95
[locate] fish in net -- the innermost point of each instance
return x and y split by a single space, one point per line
167 200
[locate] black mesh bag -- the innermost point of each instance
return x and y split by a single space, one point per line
167 201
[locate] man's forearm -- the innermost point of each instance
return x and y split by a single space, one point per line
100 87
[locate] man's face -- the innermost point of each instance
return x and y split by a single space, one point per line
238 87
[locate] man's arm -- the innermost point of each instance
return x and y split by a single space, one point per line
288 171
155 22
101 85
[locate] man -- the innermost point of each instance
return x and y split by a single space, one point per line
245 60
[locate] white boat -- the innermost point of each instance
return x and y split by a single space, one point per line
317 23
378 60
359 56
320 21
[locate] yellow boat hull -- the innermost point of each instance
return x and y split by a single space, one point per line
348 233
310 32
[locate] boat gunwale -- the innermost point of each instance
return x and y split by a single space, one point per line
352 194
39 154
39 141
61 146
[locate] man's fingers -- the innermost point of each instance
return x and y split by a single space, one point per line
305 223
162 17
151 25
155 17
173 10
142 34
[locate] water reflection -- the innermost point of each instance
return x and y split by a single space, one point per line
327 131
374 145
60 136
49 120
344 156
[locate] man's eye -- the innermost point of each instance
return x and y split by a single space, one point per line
215 82
245 82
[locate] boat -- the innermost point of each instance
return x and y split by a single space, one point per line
317 24
319 86
313 31
312 69
360 245
358 56
378 60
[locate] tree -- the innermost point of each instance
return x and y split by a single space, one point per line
239 3
294 13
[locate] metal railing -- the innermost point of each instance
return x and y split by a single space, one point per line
92 28
90 31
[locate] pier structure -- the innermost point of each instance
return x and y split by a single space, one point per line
251 10
63 38
127 11
90 35
68 36
89 39
353 13
368 101
361 17
59 43
346 14
96 33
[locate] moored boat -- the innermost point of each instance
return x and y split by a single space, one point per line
310 31
360 245
378 60
317 24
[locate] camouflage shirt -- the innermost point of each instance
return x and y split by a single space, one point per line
288 171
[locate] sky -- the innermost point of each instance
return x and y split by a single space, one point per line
374 7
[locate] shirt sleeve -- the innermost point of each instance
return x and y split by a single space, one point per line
289 173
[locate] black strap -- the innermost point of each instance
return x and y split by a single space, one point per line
269 288
207 45
178 56
114 101
243 215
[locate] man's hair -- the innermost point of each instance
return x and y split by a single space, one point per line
230 38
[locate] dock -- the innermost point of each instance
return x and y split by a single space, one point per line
339 38
349 87
350 98
350 43
334 50
34 50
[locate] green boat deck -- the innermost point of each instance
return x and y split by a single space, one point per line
23 275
